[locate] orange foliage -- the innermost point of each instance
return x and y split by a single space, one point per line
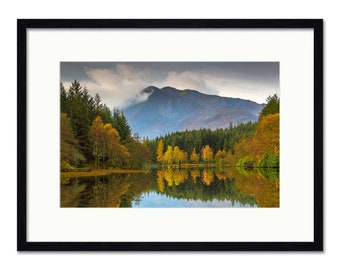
266 140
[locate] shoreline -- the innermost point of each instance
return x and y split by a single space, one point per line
99 172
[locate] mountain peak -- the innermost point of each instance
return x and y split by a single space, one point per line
168 109
150 89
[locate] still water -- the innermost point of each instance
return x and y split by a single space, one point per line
174 188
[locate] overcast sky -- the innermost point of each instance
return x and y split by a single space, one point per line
120 82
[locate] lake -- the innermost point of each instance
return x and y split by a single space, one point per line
174 188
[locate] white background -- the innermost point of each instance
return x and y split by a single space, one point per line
292 221
10 259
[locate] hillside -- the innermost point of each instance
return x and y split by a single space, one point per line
169 109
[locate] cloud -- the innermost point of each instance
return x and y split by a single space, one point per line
188 80
118 86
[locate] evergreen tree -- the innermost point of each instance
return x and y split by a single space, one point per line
63 99
79 115
70 155
120 123
272 106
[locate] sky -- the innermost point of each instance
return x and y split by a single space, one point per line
120 83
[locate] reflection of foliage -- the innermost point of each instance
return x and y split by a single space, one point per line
160 181
175 176
70 193
194 173
268 173
205 190
116 190
244 171
247 187
208 177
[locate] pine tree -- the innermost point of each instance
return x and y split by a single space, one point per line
272 106
69 147
120 123
63 99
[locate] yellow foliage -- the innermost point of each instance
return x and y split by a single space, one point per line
208 177
207 153
195 173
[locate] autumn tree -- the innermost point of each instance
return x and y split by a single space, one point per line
207 154
169 155
97 134
139 154
106 144
221 157
179 155
160 151
194 157
263 148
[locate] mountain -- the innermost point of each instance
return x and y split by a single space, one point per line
169 109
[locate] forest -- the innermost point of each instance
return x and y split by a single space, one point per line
94 135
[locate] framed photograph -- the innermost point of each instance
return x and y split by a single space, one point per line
170 135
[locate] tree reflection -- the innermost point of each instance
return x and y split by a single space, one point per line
194 173
70 192
253 188
116 190
208 177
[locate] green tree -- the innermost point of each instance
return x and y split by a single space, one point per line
63 99
69 147
79 107
272 106
120 123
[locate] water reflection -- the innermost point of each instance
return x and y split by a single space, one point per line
174 187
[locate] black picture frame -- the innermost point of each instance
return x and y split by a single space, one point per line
316 25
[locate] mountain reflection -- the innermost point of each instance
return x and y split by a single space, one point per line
174 187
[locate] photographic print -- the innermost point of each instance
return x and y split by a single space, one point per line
170 134
159 122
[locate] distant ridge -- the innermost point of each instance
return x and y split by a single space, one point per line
169 109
